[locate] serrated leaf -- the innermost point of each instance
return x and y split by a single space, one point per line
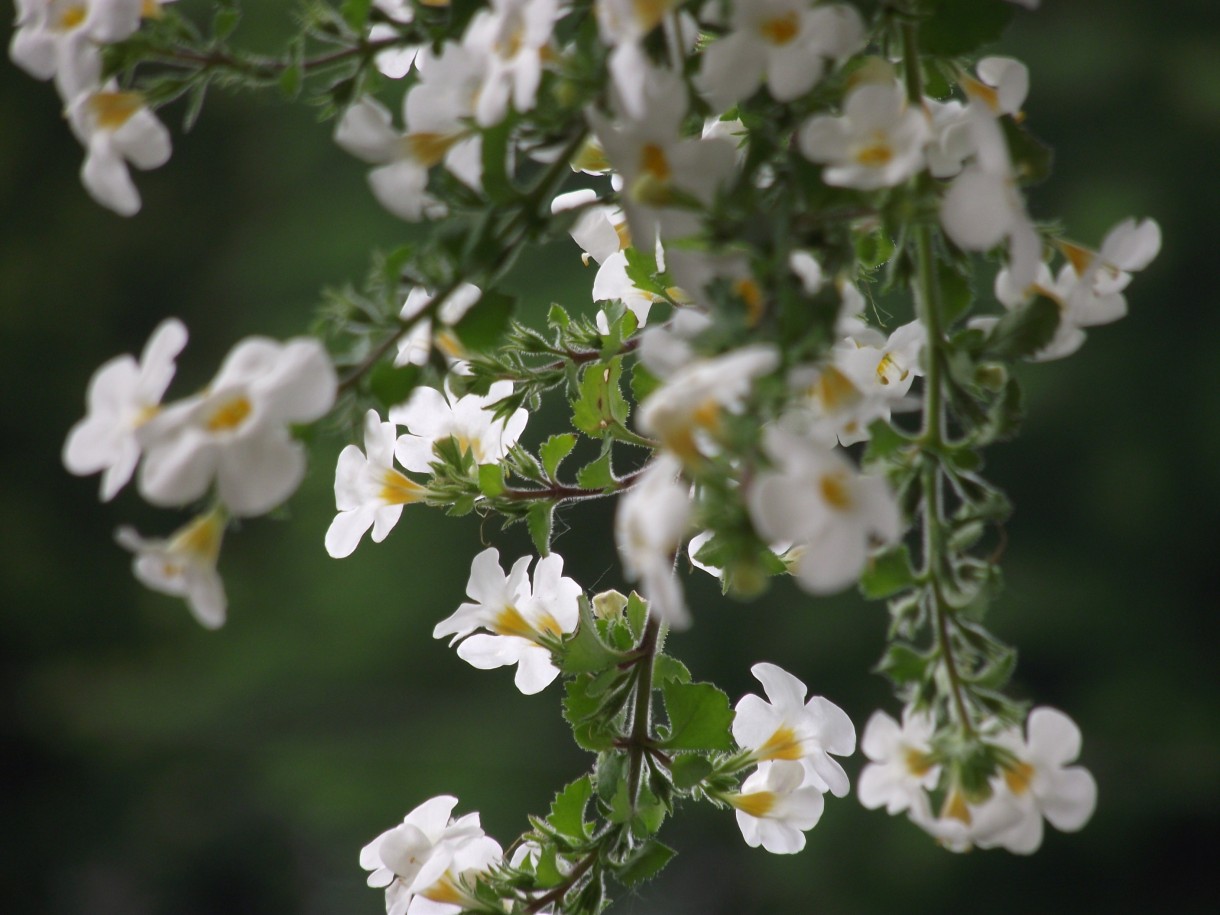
884 441
668 669
539 520
596 475
392 384
225 21
887 573
645 863
699 716
568 809
903 664
584 651
554 450
960 27
1023 331
580 710
482 328
689 770
874 249
491 480
557 318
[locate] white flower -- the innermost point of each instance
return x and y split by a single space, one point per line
424 862
623 25
236 431
784 41
786 727
184 565
511 37
1008 80
816 499
776 807
688 407
900 766
123 395
431 416
877 142
394 62
1040 783
521 617
115 128
415 347
369 491
807 270
649 527
600 229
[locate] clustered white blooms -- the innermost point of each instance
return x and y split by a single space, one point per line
1034 781
63 40
233 438
792 741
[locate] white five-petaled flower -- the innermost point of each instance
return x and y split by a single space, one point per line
785 42
776 806
237 430
649 527
369 490
425 862
511 37
116 128
1039 783
817 500
184 565
123 395
431 416
520 617
786 727
877 142
415 347
901 767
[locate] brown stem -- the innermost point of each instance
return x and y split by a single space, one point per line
557 893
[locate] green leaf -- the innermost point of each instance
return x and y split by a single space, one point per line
874 249
699 716
610 776
637 614
539 519
584 651
491 480
887 573
956 294
1031 158
496 185
668 669
597 475
960 27
1024 331
392 384
225 21
581 711
645 863
903 664
568 809
558 318
643 382
481 328
356 12
601 402
554 450
884 441
689 770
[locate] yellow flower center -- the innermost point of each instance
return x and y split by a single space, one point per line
835 490
747 290
888 370
446 891
781 29
151 9
398 489
918 763
876 154
833 391
756 804
114 109
956 808
591 157
1080 258
783 744
229 415
201 538
71 17
1018 777
509 621
653 162
429 148
649 13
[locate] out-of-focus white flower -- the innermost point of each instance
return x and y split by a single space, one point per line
396 62
649 527
688 407
519 616
1008 80
415 348
951 143
237 430
431 416
877 142
776 807
1040 782
901 767
623 25
123 395
807 270
116 128
426 862
816 499
369 490
511 37
184 565
786 727
785 42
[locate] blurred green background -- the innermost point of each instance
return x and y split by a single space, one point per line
150 766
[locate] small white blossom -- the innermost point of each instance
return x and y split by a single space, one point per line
237 431
877 142
415 347
424 862
649 527
786 727
395 62
369 490
511 37
123 395
900 766
431 416
519 616
776 807
184 565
